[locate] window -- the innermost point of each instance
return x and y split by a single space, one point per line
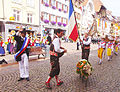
53 2
30 3
46 1
65 20
58 19
29 18
16 14
46 16
52 17
59 5
17 1
65 8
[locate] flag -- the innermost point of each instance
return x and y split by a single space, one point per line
72 25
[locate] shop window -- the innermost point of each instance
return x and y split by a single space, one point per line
16 15
29 18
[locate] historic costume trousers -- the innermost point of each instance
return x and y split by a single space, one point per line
23 66
85 53
55 67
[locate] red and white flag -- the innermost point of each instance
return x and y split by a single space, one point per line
72 25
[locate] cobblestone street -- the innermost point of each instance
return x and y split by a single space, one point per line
105 77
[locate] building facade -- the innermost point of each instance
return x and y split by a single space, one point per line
19 13
54 14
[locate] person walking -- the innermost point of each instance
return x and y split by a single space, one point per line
56 51
22 54
85 46
101 49
110 48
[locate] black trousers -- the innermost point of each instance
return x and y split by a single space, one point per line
55 66
85 53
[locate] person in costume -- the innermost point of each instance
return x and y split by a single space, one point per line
110 48
85 46
56 51
2 50
101 49
22 54
117 44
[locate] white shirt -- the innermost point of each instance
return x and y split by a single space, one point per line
57 44
87 42
101 44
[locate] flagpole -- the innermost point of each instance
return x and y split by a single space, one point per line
75 19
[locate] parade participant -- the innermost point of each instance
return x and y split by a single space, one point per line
22 54
101 49
56 51
117 44
85 46
78 43
49 39
2 50
110 48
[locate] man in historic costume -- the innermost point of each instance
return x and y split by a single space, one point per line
22 54
110 48
101 49
56 51
85 46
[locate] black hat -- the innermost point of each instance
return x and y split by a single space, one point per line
23 31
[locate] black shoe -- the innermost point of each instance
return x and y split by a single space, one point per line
27 79
5 61
48 86
21 79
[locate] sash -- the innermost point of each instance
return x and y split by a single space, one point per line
110 44
24 46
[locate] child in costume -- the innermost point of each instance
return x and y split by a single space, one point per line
101 49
